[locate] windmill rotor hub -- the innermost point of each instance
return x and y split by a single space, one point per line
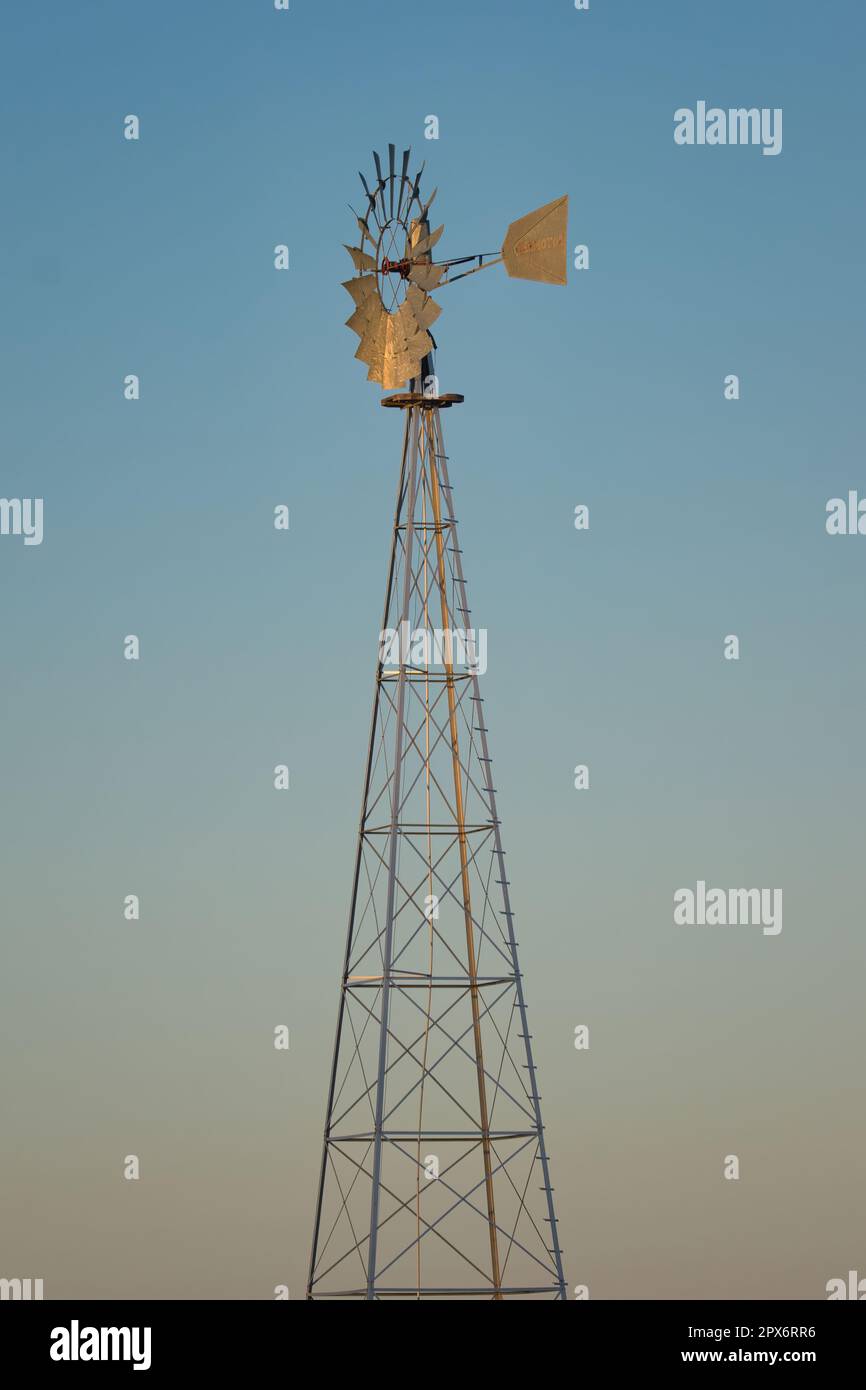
400 268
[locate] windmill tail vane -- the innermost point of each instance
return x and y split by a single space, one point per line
434 1180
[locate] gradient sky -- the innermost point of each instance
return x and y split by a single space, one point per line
604 648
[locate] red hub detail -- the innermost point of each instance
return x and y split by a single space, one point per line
400 268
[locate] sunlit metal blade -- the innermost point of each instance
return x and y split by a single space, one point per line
360 259
377 373
370 310
392 379
396 374
427 276
427 206
424 309
372 351
406 327
426 244
535 247
396 368
361 288
372 346
365 316
413 351
393 370
393 346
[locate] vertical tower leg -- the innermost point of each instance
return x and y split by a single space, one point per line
432 429
393 846
356 880
506 896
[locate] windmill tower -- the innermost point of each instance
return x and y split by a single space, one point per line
434 1180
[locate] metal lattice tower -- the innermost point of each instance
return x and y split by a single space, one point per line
434 1180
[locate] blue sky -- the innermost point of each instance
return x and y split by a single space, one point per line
156 257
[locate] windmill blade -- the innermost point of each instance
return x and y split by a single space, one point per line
426 244
407 333
360 259
372 345
371 197
371 348
427 276
393 346
401 351
395 371
391 155
425 309
365 316
403 182
427 206
363 227
535 247
378 164
361 288
415 188
401 360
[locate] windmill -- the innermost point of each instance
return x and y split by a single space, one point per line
434 1180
